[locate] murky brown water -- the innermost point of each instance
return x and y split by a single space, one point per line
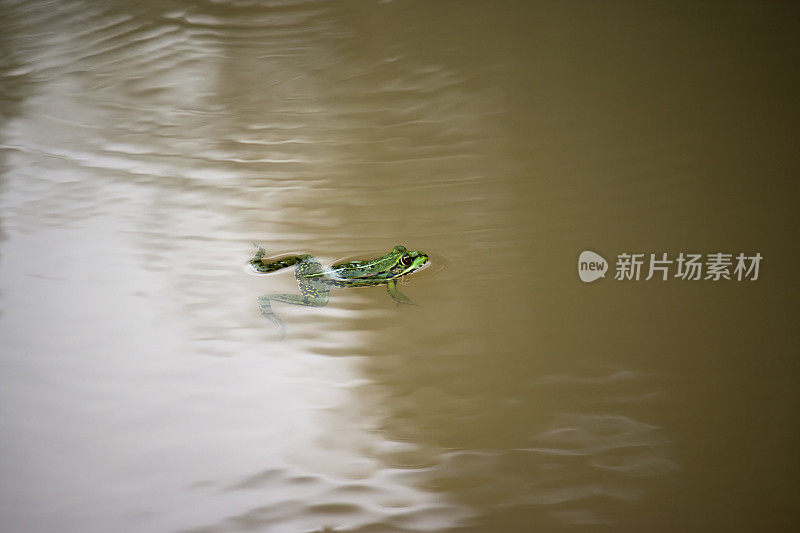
145 146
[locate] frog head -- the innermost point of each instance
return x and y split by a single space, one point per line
403 261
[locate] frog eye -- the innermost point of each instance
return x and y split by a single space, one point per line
406 260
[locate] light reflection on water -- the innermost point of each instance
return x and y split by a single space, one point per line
145 147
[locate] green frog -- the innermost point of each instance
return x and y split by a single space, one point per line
315 281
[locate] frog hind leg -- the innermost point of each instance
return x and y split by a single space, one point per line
396 295
265 267
267 312
311 295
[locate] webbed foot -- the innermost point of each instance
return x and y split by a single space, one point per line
267 312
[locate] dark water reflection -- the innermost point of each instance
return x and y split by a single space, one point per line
144 147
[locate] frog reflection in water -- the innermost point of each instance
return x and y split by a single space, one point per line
315 281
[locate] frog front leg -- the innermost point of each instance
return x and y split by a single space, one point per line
396 295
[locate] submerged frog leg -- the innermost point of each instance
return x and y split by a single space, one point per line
312 294
276 264
396 295
268 313
320 300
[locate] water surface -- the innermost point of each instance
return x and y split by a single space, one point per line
145 147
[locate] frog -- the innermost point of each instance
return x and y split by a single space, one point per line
315 281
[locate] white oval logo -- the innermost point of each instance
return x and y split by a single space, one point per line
591 266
